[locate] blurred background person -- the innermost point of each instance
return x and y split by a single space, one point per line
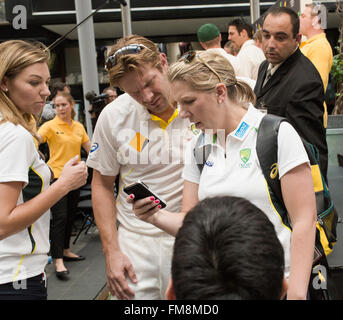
112 94
65 138
184 47
98 104
48 112
258 38
249 55
230 48
210 39
316 47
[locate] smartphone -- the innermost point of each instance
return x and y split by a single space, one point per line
141 191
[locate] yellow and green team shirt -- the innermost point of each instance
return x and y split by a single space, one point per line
64 141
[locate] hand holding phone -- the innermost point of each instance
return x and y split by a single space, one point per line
141 191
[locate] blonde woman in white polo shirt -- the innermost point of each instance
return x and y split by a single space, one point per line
25 196
204 85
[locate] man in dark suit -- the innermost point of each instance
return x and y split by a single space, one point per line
288 84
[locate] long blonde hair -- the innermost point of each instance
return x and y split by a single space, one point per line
15 56
206 70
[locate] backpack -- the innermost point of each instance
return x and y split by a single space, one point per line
266 148
326 234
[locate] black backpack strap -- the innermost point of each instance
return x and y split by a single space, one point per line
201 153
267 150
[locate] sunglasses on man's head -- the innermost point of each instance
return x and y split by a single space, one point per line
189 56
112 60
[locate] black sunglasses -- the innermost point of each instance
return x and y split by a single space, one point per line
189 57
111 61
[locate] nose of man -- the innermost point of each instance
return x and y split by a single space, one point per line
268 46
147 96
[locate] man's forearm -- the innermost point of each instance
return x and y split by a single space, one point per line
105 214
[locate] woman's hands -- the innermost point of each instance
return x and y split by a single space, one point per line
145 209
14 217
74 174
149 209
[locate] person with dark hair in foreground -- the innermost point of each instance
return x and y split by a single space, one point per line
227 249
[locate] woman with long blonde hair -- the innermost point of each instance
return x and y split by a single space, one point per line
25 195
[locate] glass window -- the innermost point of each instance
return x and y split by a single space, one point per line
2 11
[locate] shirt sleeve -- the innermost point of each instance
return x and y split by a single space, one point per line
43 131
191 171
250 57
103 155
321 57
85 137
291 150
16 155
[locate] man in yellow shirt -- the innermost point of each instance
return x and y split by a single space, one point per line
316 47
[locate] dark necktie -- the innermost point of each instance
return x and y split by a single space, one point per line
268 76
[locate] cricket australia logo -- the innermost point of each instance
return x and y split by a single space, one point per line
245 156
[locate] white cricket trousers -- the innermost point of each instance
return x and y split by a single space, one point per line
151 260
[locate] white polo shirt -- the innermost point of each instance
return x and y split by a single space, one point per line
232 59
235 62
249 59
24 254
129 141
236 171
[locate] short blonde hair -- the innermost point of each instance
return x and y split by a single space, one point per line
200 77
320 11
258 35
15 56
129 62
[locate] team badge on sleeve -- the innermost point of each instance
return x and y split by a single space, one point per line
94 147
